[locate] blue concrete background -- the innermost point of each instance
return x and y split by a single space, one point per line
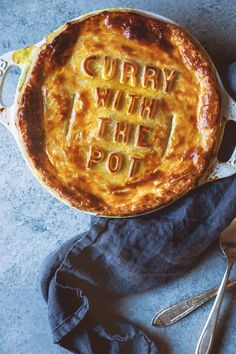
33 223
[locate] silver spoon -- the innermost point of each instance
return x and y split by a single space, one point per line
176 312
228 246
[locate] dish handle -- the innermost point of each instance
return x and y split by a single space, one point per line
228 168
6 61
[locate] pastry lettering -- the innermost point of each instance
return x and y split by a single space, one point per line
121 132
101 96
102 123
105 97
150 76
134 104
148 107
134 164
128 72
117 99
141 136
132 101
96 154
109 68
114 162
86 64
168 78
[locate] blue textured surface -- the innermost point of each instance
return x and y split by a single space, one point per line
33 223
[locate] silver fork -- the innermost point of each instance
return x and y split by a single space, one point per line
181 309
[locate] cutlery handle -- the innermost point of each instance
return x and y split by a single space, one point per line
177 311
206 338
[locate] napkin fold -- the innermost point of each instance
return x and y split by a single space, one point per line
121 256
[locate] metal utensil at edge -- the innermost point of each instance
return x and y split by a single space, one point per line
176 312
228 247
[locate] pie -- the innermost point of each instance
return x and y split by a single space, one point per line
120 113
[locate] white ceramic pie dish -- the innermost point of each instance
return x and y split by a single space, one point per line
8 114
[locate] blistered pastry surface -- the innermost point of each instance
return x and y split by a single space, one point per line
120 113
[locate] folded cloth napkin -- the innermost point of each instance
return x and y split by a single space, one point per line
122 256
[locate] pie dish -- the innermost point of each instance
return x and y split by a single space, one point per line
118 112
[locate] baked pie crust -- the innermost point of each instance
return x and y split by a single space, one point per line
120 113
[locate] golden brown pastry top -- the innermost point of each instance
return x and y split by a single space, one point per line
120 113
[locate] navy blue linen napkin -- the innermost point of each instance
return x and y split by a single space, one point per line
121 256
